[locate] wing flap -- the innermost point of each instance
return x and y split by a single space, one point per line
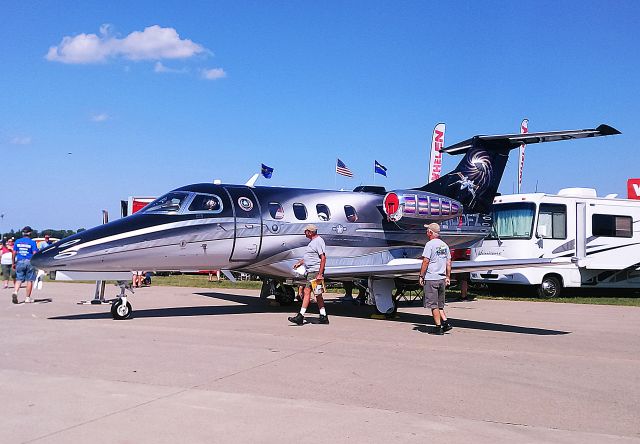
410 268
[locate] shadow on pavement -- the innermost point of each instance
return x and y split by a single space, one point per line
335 308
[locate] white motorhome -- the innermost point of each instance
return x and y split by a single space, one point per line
600 236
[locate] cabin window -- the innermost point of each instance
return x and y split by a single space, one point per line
169 203
276 210
323 212
610 225
512 220
552 221
300 211
206 202
350 213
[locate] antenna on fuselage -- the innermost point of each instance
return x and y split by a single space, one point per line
251 182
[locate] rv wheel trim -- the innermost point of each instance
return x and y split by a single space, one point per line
550 287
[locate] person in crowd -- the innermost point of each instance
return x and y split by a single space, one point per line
45 243
6 261
136 279
23 251
215 273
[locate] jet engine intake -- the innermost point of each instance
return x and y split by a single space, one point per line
418 207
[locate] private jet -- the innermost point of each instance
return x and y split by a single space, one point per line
371 234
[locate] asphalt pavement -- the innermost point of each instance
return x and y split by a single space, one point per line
201 365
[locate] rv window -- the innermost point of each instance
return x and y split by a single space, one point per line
300 211
552 221
350 213
512 220
206 202
169 203
276 210
610 225
323 212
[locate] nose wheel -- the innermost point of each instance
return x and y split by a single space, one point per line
121 308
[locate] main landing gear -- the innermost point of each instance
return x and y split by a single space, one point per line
283 294
121 308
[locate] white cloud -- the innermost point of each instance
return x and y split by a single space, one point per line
101 117
21 140
154 43
213 74
160 67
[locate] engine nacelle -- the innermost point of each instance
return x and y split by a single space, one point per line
418 207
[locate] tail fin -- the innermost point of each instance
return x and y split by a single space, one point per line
475 180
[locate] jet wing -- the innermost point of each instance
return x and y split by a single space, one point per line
410 268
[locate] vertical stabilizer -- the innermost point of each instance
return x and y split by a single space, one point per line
475 180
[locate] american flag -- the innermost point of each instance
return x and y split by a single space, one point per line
341 168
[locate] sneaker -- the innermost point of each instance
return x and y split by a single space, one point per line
28 300
14 298
437 330
297 319
324 319
446 326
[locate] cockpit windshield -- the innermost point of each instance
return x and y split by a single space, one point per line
169 203
512 221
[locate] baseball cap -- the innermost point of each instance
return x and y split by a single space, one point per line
433 227
27 229
311 227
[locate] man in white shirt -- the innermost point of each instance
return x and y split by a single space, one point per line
314 260
435 275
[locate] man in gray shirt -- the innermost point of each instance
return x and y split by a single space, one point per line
314 260
435 275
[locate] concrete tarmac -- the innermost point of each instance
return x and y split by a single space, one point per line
218 366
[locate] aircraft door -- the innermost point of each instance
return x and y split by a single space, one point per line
248 224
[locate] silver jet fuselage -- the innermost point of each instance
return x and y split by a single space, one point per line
258 230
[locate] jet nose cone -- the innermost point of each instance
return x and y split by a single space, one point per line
43 260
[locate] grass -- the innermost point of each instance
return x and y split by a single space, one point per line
453 294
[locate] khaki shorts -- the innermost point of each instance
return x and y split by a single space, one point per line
434 294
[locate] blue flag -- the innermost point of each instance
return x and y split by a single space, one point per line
380 169
266 171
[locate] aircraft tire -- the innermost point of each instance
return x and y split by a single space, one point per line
285 295
119 311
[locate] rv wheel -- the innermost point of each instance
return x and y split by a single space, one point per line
121 311
550 287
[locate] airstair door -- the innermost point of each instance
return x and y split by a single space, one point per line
248 224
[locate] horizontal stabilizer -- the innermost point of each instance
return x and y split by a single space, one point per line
511 141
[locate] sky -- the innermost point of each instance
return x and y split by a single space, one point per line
104 100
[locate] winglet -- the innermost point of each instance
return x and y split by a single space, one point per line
607 130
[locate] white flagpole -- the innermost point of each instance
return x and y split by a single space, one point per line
524 129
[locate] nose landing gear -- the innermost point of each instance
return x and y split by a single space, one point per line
121 308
